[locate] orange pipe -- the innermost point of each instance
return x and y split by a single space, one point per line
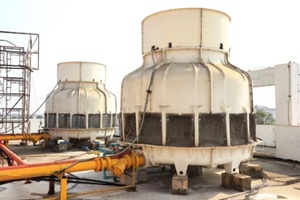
55 168
12 155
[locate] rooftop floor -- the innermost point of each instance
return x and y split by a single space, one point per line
281 181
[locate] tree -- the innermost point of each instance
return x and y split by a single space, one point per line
39 116
264 117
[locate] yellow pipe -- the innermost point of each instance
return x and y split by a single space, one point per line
54 168
126 162
63 188
118 169
34 137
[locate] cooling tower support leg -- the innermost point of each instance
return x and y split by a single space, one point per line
179 184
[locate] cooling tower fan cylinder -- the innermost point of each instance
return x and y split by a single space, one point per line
187 104
81 107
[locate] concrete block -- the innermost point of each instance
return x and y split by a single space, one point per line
49 143
61 147
179 184
243 168
226 180
238 182
140 177
127 179
220 166
193 171
241 182
253 170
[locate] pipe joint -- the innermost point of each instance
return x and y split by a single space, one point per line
108 163
98 164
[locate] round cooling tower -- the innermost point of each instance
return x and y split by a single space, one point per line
187 105
81 107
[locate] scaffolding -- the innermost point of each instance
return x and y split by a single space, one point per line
16 64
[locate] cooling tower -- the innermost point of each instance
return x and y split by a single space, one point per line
81 107
187 104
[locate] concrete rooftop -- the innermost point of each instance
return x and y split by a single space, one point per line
281 181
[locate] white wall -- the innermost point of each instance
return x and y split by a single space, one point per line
287 94
288 142
286 78
267 134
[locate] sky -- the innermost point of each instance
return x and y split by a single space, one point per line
263 33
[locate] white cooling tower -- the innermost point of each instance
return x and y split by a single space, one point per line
187 105
81 107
